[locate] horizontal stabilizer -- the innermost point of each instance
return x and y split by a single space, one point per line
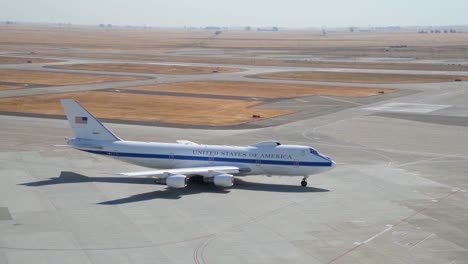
85 146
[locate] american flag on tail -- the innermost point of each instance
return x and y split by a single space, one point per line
81 120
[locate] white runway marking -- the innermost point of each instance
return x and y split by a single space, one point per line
341 100
407 108
389 227
429 236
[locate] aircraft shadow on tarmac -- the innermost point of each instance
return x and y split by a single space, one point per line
195 187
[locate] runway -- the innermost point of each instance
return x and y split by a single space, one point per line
397 195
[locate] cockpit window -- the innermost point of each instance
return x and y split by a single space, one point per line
313 151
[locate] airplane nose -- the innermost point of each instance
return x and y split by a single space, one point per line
333 164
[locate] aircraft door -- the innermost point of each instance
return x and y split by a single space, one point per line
258 162
171 160
258 168
211 160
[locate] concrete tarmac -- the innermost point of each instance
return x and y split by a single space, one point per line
398 193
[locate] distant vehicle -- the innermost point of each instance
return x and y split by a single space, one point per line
177 162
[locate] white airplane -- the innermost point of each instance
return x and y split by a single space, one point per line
177 162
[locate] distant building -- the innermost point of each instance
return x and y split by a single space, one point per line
438 31
213 28
268 29
390 28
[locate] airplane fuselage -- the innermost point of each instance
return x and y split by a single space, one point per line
268 158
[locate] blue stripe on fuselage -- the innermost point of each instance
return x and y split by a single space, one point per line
219 159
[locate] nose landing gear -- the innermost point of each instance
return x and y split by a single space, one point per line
304 181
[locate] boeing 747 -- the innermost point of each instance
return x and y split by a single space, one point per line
175 163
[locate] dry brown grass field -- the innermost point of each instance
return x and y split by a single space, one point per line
57 78
171 38
148 108
352 77
10 87
151 42
265 90
146 68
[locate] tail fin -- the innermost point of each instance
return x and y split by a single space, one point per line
84 124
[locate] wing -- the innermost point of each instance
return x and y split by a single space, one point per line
203 171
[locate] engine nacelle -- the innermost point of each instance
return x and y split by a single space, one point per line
224 180
176 181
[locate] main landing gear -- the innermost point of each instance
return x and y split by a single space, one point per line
160 181
304 181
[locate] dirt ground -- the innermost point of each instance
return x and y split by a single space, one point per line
265 90
17 60
352 77
56 78
146 68
137 38
150 108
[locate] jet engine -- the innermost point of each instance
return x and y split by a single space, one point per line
224 180
176 181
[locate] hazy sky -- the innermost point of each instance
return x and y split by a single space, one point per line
284 13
